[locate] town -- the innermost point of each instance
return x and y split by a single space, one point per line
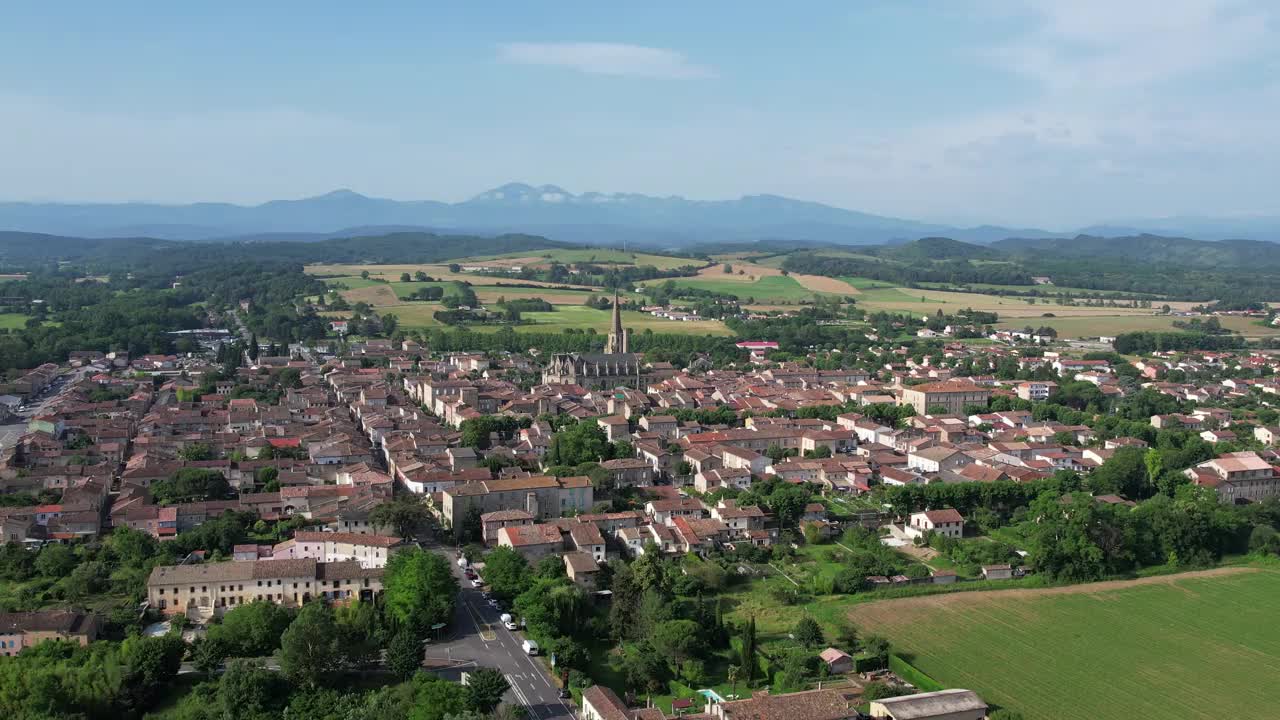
640 361
497 526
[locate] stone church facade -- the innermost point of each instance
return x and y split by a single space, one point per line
616 366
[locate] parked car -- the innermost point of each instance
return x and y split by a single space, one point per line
530 647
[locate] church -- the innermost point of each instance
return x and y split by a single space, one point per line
616 366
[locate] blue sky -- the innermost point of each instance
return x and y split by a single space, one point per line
1032 112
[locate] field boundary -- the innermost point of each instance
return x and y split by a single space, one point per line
977 595
913 674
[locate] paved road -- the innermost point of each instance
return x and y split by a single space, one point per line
12 431
479 640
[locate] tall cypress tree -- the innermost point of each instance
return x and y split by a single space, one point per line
749 649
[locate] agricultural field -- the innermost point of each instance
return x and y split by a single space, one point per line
580 317
772 288
571 311
587 255
391 273
1042 289
762 282
1194 645
1113 325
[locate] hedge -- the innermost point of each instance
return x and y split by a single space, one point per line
913 675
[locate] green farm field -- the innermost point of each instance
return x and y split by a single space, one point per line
1195 645
771 288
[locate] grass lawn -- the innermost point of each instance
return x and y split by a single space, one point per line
13 321
1195 645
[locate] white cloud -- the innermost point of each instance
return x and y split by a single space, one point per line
1090 46
598 58
1144 107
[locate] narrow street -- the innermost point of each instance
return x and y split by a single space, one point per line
478 639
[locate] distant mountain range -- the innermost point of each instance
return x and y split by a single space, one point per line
598 218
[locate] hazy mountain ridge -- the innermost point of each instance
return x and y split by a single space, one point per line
600 218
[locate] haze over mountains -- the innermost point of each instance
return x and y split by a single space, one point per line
551 211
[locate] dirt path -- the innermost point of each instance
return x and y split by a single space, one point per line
896 612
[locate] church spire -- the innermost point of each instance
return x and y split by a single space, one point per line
617 342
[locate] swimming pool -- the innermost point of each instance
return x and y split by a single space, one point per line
711 695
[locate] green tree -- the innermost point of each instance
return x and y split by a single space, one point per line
748 650
808 632
678 640
788 502
55 561
248 691
404 655
1124 473
436 699
644 668
209 652
402 515
876 647
151 663
419 589
580 443
507 573
254 630
311 646
485 688
196 452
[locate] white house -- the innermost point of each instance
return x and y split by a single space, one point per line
946 522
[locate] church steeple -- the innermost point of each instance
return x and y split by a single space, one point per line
617 342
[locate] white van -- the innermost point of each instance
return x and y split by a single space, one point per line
530 647
508 622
